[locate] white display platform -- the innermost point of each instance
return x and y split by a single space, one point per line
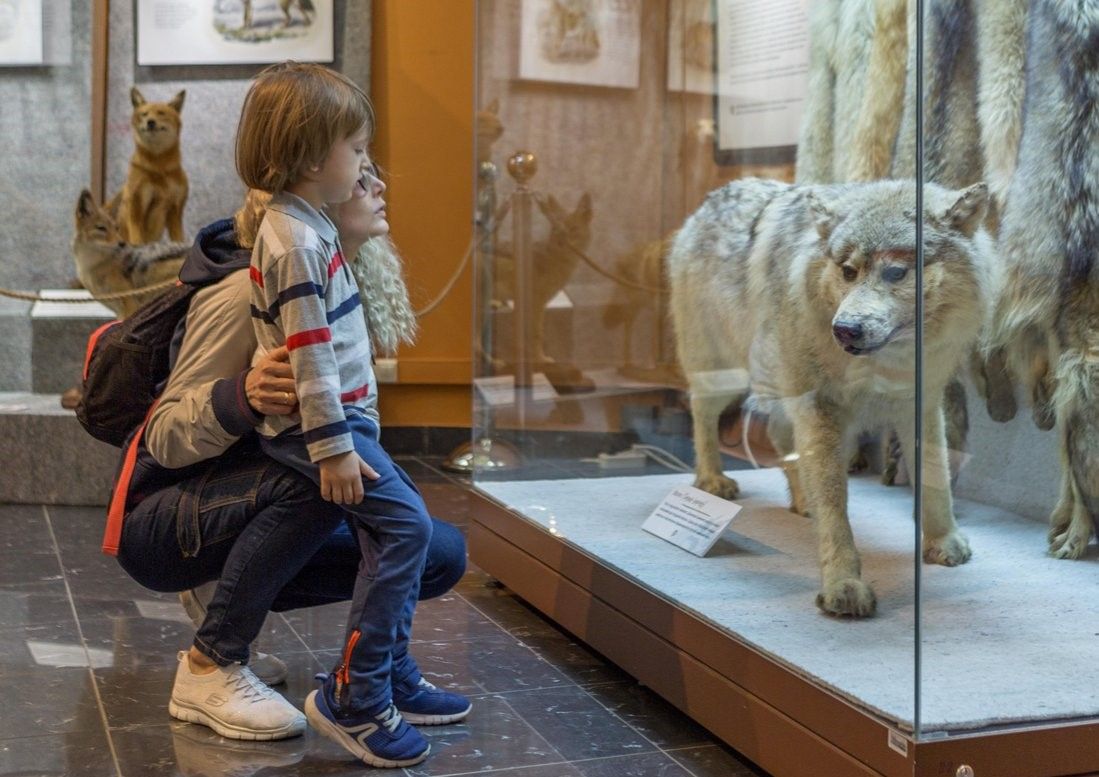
1011 637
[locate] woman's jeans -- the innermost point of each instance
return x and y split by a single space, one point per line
263 530
394 530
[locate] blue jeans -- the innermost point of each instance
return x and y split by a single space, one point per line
263 530
394 529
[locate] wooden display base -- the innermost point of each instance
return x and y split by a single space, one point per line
763 709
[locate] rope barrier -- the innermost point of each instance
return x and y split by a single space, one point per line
37 297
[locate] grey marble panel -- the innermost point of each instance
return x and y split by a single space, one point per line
49 458
15 345
45 125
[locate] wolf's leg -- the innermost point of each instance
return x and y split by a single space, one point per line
1078 459
823 469
780 431
942 542
706 409
1061 517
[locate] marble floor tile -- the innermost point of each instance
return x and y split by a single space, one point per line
577 725
82 753
48 700
715 760
650 715
485 664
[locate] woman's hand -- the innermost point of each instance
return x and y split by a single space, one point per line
269 385
342 478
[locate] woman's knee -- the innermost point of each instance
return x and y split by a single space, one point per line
446 560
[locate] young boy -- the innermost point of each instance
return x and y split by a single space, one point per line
303 136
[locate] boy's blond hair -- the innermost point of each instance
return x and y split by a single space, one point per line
293 115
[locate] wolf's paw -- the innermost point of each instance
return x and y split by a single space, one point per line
1059 521
1070 544
849 596
718 485
949 550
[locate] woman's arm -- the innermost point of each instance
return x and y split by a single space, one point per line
212 397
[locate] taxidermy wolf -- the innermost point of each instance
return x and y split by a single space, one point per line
1047 323
828 272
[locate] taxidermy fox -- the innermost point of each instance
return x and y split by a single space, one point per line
554 260
105 263
155 191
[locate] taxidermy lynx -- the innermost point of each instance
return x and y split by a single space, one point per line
156 187
106 264
554 261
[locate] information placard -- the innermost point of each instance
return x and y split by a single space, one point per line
691 519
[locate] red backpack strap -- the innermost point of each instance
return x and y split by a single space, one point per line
93 339
116 512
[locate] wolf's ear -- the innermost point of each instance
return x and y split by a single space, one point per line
136 97
968 210
85 206
824 218
177 101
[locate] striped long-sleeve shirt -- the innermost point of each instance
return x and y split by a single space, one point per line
305 297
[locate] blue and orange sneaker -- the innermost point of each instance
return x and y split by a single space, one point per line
379 737
422 704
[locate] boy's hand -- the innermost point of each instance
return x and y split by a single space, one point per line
342 478
269 385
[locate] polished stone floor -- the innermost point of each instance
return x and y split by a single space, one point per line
87 659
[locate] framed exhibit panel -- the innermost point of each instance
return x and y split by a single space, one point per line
220 32
802 442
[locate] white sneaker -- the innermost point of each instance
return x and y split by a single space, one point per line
233 702
271 669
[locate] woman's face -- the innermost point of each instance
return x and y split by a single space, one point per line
363 216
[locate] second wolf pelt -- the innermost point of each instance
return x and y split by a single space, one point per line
822 277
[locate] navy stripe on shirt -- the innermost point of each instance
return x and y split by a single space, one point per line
345 307
333 429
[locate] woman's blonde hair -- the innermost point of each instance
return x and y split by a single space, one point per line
293 115
378 271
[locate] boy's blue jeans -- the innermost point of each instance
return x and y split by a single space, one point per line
264 531
394 529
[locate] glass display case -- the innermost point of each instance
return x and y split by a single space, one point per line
720 434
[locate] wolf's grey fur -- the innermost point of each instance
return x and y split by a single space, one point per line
814 267
1048 317
840 36
951 136
1001 52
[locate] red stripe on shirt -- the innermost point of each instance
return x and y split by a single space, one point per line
256 276
335 264
309 337
357 394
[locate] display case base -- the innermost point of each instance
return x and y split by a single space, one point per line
761 707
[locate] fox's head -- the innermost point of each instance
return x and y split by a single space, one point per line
156 125
94 224
868 237
573 228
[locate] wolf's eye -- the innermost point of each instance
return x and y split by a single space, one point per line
849 273
894 273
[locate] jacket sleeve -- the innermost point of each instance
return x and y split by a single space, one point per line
294 287
203 410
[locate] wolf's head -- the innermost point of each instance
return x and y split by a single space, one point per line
156 125
867 234
94 225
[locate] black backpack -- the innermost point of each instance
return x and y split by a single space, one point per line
126 365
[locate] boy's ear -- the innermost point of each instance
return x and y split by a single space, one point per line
493 107
136 97
85 206
177 101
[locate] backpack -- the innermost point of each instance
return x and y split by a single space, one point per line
126 365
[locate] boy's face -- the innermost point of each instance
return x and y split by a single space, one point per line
343 166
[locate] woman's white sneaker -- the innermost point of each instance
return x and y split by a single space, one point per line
233 702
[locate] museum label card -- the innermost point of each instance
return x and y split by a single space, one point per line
691 518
